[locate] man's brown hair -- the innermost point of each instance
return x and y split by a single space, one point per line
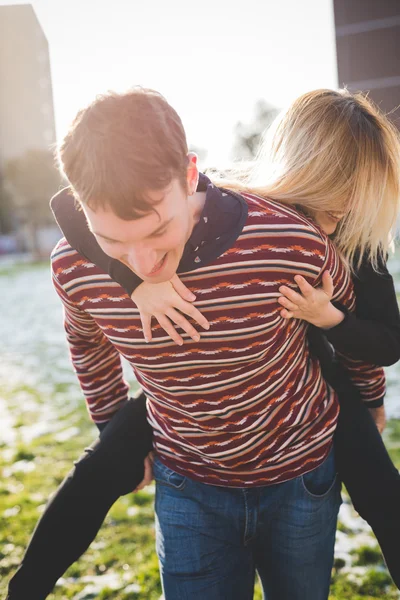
121 147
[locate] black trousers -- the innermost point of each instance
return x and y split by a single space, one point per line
113 466
367 471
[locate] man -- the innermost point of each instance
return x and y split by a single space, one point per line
242 419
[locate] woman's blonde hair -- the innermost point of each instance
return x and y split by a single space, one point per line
333 151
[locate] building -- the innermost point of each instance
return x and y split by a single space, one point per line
368 50
27 125
26 97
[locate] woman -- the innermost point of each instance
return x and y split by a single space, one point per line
355 196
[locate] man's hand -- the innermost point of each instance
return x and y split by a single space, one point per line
148 472
379 416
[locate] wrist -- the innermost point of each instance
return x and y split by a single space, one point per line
331 317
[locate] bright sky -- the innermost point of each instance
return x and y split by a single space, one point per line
212 59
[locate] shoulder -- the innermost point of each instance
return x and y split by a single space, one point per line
63 256
67 264
283 230
79 282
272 214
64 196
69 217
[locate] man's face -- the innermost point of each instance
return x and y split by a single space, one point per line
153 245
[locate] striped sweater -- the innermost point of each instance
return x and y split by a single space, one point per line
246 405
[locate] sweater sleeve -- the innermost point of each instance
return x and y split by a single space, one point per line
368 377
372 333
95 360
72 222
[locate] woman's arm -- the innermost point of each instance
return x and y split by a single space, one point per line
168 302
72 222
372 333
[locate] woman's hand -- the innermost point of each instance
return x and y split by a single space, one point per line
311 304
379 416
148 473
164 301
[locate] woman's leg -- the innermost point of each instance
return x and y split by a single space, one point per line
111 467
366 469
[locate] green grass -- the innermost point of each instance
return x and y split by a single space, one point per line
367 555
18 268
125 544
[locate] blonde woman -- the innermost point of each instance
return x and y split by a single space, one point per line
335 157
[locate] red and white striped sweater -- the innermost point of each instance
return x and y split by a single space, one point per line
246 405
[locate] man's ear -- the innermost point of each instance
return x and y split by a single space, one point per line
192 173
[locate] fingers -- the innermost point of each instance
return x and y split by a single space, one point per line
305 288
148 473
192 311
379 417
327 284
291 295
172 317
286 314
177 318
288 304
186 307
146 324
183 323
169 328
181 289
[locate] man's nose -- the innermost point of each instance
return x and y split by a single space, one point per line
142 259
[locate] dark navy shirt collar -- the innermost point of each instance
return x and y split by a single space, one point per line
221 222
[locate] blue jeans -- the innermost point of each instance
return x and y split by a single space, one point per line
212 540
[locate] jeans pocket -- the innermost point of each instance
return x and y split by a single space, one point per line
165 476
319 482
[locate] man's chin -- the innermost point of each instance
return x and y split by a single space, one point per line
167 271
164 275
